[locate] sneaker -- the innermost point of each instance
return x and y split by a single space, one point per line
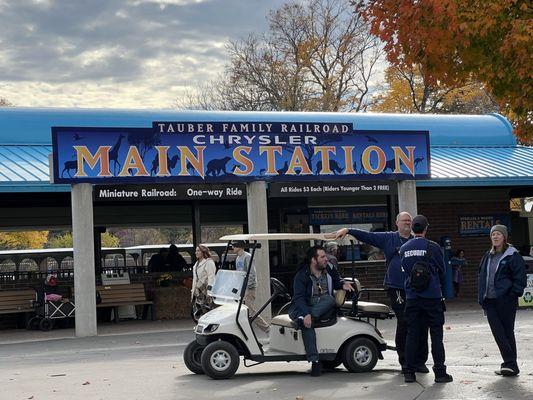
444 378
506 371
422 369
316 370
409 377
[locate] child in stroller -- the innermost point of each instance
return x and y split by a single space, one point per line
50 305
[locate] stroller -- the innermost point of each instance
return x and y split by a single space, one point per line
49 306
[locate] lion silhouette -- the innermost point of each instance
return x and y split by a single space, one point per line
217 166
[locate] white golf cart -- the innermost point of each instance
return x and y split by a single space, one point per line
225 334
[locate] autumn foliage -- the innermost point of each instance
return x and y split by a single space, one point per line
490 41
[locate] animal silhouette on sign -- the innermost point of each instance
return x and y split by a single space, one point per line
171 163
418 160
371 139
68 165
113 154
217 166
390 164
284 169
333 166
78 137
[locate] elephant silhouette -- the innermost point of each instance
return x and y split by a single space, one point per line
333 165
217 166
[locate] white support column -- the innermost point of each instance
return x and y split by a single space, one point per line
258 223
407 197
84 276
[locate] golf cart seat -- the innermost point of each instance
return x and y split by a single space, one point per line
284 320
362 309
367 309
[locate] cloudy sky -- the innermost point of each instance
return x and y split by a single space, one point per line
117 53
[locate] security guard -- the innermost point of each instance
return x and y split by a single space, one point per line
423 264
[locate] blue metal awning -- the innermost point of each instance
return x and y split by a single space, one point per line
24 168
480 166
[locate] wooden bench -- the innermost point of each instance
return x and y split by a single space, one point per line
16 301
131 294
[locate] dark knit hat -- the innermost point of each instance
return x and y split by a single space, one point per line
500 228
419 224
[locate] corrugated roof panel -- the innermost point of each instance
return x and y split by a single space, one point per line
25 166
481 162
24 163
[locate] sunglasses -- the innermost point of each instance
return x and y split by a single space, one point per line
319 288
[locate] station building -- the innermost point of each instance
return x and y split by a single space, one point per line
474 170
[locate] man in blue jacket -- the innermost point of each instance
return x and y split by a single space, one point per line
390 243
313 298
423 263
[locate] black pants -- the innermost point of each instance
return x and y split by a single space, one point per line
501 313
421 314
397 299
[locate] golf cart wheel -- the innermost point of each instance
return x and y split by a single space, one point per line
360 355
220 360
46 324
33 323
192 356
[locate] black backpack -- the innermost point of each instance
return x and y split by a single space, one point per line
421 273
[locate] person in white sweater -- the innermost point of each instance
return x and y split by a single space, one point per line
203 274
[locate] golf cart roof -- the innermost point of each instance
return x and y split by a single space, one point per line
275 236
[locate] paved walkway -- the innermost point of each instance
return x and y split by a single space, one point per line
143 360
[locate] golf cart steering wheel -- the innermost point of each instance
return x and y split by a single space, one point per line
278 288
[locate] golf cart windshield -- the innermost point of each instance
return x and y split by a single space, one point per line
227 287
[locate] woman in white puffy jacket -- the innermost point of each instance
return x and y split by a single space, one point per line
203 274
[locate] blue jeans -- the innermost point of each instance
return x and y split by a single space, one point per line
324 307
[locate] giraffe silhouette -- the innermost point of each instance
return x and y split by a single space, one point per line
171 163
113 154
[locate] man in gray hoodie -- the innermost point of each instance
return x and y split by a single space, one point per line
242 263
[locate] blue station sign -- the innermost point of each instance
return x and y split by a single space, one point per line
203 152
